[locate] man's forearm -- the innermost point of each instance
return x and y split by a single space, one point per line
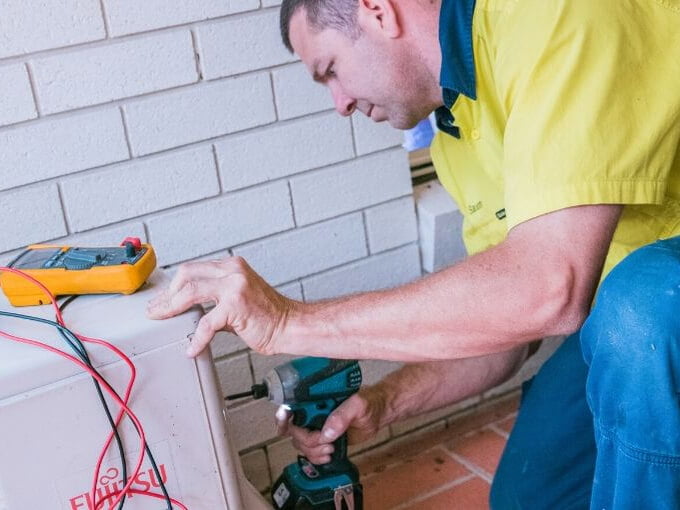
537 283
421 387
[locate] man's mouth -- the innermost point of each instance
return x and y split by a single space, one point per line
370 110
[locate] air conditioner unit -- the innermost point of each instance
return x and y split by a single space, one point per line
52 424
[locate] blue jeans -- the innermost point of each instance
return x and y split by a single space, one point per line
599 425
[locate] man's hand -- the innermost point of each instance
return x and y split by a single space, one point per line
244 303
360 415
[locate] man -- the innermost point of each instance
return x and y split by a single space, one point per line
560 141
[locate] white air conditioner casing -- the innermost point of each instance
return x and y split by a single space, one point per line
52 425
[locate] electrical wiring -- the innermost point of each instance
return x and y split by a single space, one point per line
75 342
149 454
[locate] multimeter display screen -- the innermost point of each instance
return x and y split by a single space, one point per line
35 258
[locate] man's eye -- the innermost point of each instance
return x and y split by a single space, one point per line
330 72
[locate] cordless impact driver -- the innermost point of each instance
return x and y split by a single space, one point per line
312 388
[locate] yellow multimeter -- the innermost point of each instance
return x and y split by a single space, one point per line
67 270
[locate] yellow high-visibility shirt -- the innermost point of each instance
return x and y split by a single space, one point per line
578 102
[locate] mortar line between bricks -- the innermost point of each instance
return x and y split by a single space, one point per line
105 19
292 205
34 91
276 103
126 132
354 140
197 54
365 224
217 169
441 488
63 208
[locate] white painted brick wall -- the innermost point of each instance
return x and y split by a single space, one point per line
297 94
129 16
391 224
50 148
215 225
243 162
374 136
188 124
133 189
378 272
303 251
32 211
32 25
114 71
240 44
350 186
199 113
16 99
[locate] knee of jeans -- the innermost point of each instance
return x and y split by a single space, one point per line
637 309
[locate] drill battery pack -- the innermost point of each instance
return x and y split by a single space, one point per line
303 486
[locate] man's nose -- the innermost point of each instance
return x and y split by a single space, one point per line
344 104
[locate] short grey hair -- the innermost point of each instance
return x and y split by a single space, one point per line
338 14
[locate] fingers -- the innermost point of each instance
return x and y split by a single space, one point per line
340 420
169 303
310 443
189 281
209 324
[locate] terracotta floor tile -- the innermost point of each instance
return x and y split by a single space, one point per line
471 495
507 424
420 474
483 448
473 420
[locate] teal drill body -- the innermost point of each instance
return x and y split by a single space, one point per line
312 388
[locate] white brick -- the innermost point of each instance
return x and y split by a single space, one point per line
50 148
292 290
16 99
256 469
217 224
243 161
440 226
270 3
262 364
31 215
225 343
32 25
140 187
297 94
382 271
234 374
129 16
114 71
371 136
392 224
199 113
242 44
350 186
308 250
253 423
280 455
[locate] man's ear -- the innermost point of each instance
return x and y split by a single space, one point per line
379 16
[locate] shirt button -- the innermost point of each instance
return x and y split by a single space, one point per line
474 134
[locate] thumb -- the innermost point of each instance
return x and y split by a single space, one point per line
282 417
339 420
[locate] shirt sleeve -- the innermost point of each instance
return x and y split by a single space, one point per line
591 118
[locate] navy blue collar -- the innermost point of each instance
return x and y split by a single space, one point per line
455 39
